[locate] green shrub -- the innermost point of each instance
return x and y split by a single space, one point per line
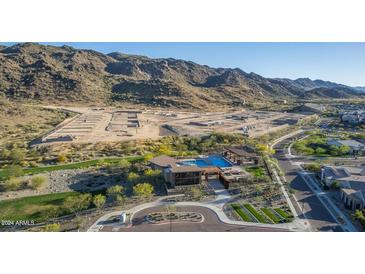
75 204
13 184
99 201
37 182
52 228
143 189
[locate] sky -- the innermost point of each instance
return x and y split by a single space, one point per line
338 62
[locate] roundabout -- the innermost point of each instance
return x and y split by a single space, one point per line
209 222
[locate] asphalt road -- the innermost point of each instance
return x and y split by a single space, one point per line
307 204
211 223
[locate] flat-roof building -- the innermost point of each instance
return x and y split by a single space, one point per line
352 184
240 155
175 174
355 146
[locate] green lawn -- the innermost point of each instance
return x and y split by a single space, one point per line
256 171
271 215
255 213
32 208
284 214
241 213
78 165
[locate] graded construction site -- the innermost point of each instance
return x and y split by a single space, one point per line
93 125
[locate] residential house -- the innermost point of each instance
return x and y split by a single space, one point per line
353 117
356 148
352 184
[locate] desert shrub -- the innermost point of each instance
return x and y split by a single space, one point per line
61 158
13 184
143 189
37 182
52 228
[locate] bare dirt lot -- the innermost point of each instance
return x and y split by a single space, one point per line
112 124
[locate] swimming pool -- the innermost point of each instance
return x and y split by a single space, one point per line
212 160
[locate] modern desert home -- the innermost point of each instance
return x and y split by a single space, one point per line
176 174
162 162
184 175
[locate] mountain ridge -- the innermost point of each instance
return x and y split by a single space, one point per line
43 73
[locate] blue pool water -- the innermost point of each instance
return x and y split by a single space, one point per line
217 161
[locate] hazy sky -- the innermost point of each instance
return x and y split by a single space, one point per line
339 62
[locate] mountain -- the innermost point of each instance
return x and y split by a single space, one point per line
338 93
62 75
360 89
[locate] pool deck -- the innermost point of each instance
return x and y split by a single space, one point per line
211 160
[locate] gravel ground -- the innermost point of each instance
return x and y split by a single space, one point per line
65 181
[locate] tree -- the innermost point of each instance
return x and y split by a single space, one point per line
258 189
17 155
13 171
359 215
52 228
264 149
75 204
143 189
196 192
61 158
99 201
147 157
314 167
320 151
50 212
116 193
336 185
4 154
152 174
13 184
164 149
114 190
37 182
119 199
132 177
344 150
124 164
334 150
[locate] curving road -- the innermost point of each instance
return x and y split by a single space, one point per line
214 216
304 199
211 223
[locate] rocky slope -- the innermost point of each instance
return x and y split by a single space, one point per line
62 75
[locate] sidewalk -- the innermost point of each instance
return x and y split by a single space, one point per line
216 206
322 196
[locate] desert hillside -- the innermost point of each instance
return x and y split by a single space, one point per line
64 75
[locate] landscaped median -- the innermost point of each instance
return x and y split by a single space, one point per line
271 215
240 212
249 213
284 214
255 213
